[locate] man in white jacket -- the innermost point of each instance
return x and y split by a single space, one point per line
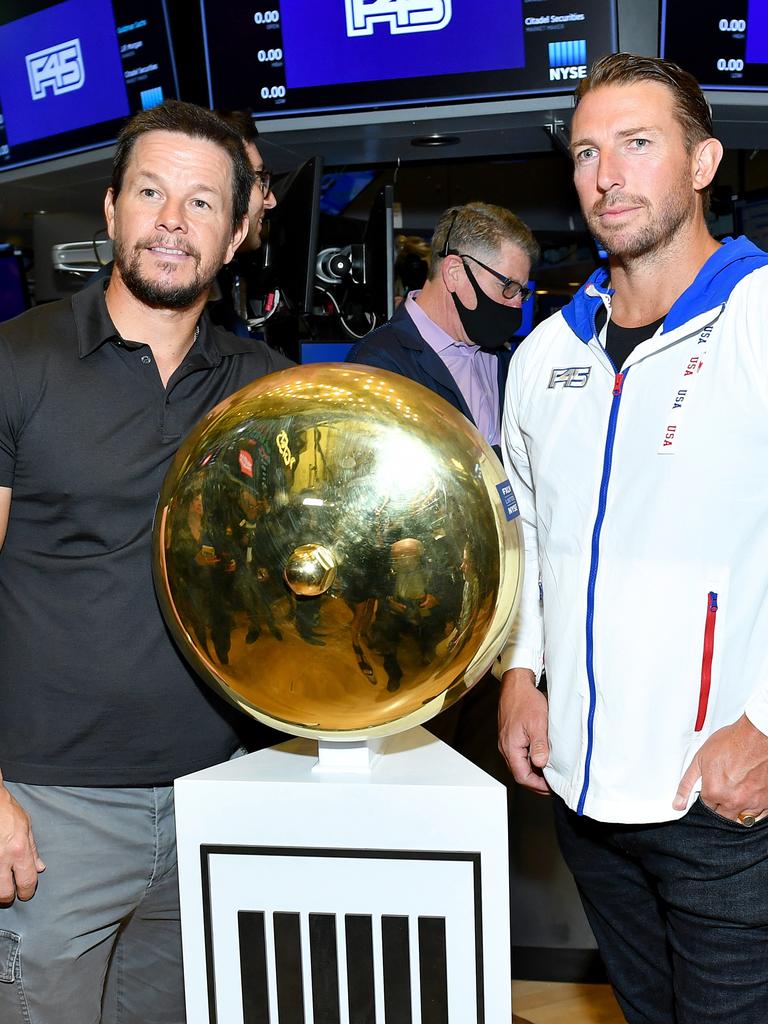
635 435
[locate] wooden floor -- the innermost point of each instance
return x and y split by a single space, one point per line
546 1002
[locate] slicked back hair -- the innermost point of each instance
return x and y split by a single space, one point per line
196 123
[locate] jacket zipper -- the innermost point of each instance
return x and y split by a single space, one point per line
618 385
706 660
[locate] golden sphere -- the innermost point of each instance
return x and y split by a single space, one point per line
335 551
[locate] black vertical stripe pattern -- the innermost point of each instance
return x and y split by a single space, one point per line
290 987
433 971
359 943
395 946
253 967
325 969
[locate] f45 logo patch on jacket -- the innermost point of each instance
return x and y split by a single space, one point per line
570 376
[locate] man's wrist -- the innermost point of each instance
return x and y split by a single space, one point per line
518 677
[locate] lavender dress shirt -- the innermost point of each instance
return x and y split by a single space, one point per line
475 372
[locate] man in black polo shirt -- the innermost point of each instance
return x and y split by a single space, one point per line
99 710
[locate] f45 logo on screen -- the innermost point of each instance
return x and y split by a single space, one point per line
402 15
570 377
58 67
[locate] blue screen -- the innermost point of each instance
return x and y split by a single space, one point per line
338 190
302 56
757 32
72 71
61 70
528 310
13 298
360 41
324 351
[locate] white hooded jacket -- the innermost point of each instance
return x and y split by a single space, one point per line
644 500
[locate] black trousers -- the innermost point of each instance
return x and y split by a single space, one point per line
679 911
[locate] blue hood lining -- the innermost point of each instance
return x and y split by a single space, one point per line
734 260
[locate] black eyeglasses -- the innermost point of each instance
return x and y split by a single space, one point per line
510 289
263 180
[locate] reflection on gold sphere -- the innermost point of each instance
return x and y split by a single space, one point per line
310 570
332 552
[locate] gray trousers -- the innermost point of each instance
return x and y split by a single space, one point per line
100 941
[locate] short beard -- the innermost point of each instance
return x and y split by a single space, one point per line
676 209
159 294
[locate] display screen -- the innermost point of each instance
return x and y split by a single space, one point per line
71 72
338 190
13 287
723 43
303 56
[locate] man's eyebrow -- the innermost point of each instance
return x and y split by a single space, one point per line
642 130
624 133
199 186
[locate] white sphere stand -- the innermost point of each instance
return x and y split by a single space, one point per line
368 885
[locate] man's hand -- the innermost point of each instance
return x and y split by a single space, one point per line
20 862
733 767
523 736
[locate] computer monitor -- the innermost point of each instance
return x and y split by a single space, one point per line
72 71
290 252
14 297
339 189
725 46
321 57
379 243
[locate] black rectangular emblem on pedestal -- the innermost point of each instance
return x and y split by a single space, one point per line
286 954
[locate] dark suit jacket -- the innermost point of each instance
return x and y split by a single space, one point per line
398 346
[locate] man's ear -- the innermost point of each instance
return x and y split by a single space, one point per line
451 272
237 237
109 212
706 159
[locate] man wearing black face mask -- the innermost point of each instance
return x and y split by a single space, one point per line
452 335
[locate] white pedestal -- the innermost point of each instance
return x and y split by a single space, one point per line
325 897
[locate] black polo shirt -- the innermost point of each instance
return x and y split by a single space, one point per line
92 689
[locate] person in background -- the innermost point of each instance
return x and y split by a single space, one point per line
453 335
412 260
229 300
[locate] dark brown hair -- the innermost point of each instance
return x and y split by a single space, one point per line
196 123
242 122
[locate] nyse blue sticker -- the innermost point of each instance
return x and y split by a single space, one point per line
508 500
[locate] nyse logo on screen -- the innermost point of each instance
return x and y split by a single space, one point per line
567 59
401 15
58 67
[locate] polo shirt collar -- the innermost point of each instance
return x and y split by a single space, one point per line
92 321
94 327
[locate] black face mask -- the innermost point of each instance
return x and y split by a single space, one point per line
490 324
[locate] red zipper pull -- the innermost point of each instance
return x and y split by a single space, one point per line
618 383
